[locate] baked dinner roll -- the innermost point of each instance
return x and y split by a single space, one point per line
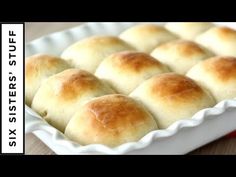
221 40
171 97
180 55
188 30
218 75
38 68
88 53
124 71
146 37
110 120
60 95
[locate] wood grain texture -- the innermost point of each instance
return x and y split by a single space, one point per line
33 146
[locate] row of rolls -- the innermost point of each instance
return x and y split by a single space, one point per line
112 90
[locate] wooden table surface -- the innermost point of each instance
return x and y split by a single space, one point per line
34 146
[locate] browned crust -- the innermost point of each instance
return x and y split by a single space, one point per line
115 112
184 47
36 63
133 61
74 82
223 68
175 87
226 33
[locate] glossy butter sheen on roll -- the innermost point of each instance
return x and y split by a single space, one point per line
60 95
171 97
124 71
38 68
218 75
180 55
110 120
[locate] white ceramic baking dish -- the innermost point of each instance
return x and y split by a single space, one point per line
180 138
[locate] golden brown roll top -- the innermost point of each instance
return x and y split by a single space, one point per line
60 95
38 68
218 75
171 97
124 71
180 55
88 53
188 30
146 37
110 120
221 40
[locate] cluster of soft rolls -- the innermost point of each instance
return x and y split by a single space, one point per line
113 90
